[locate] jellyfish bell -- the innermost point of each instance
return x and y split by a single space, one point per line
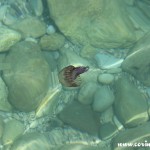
70 75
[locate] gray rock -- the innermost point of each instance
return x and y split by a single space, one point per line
37 6
107 115
28 78
30 27
130 105
105 78
81 117
91 23
107 61
31 141
8 38
107 130
103 99
139 134
4 104
77 147
13 129
69 57
1 127
137 62
52 42
86 93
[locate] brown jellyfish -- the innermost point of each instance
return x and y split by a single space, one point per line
70 75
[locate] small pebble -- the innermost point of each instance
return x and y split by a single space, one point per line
50 29
105 78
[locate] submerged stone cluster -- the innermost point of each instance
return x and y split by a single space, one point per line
107 44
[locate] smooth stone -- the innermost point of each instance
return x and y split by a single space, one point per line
13 129
8 38
52 42
107 61
88 51
1 126
91 23
114 70
103 99
28 78
105 78
37 7
31 141
107 115
30 27
3 10
144 7
140 20
107 131
86 93
69 57
81 117
130 2
130 105
50 29
137 62
77 146
139 134
4 104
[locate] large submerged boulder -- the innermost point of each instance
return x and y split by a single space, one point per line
28 76
100 23
137 62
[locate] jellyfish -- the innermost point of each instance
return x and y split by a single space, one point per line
70 75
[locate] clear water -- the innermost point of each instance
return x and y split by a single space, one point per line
74 75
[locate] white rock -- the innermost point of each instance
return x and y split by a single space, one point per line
107 61
105 78
86 93
50 29
103 99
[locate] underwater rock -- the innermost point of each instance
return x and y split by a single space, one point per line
37 7
50 29
86 93
140 19
139 134
4 104
30 27
103 99
28 78
69 57
88 51
107 130
107 115
1 126
107 61
81 117
90 22
137 62
105 78
12 129
77 146
8 38
130 105
144 7
52 42
31 141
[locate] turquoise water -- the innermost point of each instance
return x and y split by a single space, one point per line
74 75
